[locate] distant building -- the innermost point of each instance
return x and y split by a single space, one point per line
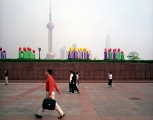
90 55
108 42
133 56
63 53
74 46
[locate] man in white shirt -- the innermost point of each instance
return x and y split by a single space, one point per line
110 79
71 75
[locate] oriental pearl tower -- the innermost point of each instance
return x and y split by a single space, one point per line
50 26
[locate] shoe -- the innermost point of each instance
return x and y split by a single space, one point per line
78 92
38 116
69 91
60 117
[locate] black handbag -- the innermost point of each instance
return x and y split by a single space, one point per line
49 104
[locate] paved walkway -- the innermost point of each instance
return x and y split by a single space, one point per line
124 101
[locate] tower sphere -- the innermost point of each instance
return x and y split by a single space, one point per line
50 55
50 25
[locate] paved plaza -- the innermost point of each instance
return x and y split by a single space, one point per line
124 101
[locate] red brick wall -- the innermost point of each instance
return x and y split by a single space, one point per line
88 71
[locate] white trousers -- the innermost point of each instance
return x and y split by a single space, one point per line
57 107
77 84
6 80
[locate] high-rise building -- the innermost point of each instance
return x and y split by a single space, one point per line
74 46
90 55
63 53
108 42
50 27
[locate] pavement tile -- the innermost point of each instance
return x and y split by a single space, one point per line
124 101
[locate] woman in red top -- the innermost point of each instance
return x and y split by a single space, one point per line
50 85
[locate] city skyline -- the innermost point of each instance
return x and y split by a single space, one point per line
86 23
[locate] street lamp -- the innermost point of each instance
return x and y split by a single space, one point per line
39 51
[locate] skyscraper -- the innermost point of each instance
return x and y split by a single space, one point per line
63 53
74 46
50 27
108 42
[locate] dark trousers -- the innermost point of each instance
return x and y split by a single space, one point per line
110 82
70 88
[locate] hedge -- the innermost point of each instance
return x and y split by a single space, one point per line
76 60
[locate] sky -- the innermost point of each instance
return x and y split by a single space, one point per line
87 23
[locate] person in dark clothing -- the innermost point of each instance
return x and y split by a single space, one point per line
70 80
6 77
73 83
110 79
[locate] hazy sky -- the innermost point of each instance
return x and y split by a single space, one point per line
129 23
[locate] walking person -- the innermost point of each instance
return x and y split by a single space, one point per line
110 79
70 79
50 93
6 77
77 81
73 83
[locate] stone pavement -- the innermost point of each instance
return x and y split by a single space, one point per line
124 101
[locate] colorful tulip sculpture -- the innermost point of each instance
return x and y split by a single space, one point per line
114 54
81 53
2 53
26 53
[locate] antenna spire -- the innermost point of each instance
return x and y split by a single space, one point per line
50 14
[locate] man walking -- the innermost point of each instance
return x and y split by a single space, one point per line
110 79
50 85
6 77
73 83
77 79
77 82
70 80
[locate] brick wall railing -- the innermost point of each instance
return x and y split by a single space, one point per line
88 71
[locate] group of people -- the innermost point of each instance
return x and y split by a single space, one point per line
51 85
73 86
74 82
